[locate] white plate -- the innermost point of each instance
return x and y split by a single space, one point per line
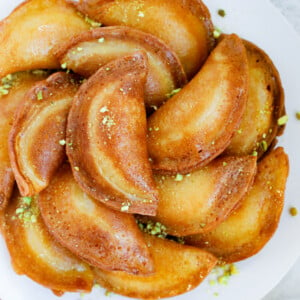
259 22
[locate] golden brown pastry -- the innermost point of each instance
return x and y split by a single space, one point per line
103 237
265 105
197 124
106 142
12 91
36 254
37 137
200 201
184 25
30 33
179 269
87 52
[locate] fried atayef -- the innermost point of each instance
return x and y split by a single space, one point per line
103 237
197 124
31 32
13 88
36 254
106 137
184 25
179 268
37 137
264 107
89 51
254 222
200 201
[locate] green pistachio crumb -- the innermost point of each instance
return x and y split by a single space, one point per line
233 270
221 13
39 95
108 121
174 92
264 145
217 33
156 229
62 142
282 120
26 212
223 273
240 131
216 294
125 208
76 169
141 14
107 293
254 153
92 22
223 280
33 219
293 211
101 40
79 49
224 163
27 200
212 282
3 91
64 65
19 210
6 84
178 177
107 69
103 109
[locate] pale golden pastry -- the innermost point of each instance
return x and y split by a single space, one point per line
36 254
184 25
254 222
179 269
12 91
198 202
265 106
87 52
28 36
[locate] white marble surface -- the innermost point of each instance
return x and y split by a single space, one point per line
289 287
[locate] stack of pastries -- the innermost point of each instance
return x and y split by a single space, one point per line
142 145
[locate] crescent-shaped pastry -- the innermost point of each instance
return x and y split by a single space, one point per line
259 126
184 25
179 269
87 52
197 124
103 237
106 137
13 89
30 33
254 222
200 201
36 254
37 137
